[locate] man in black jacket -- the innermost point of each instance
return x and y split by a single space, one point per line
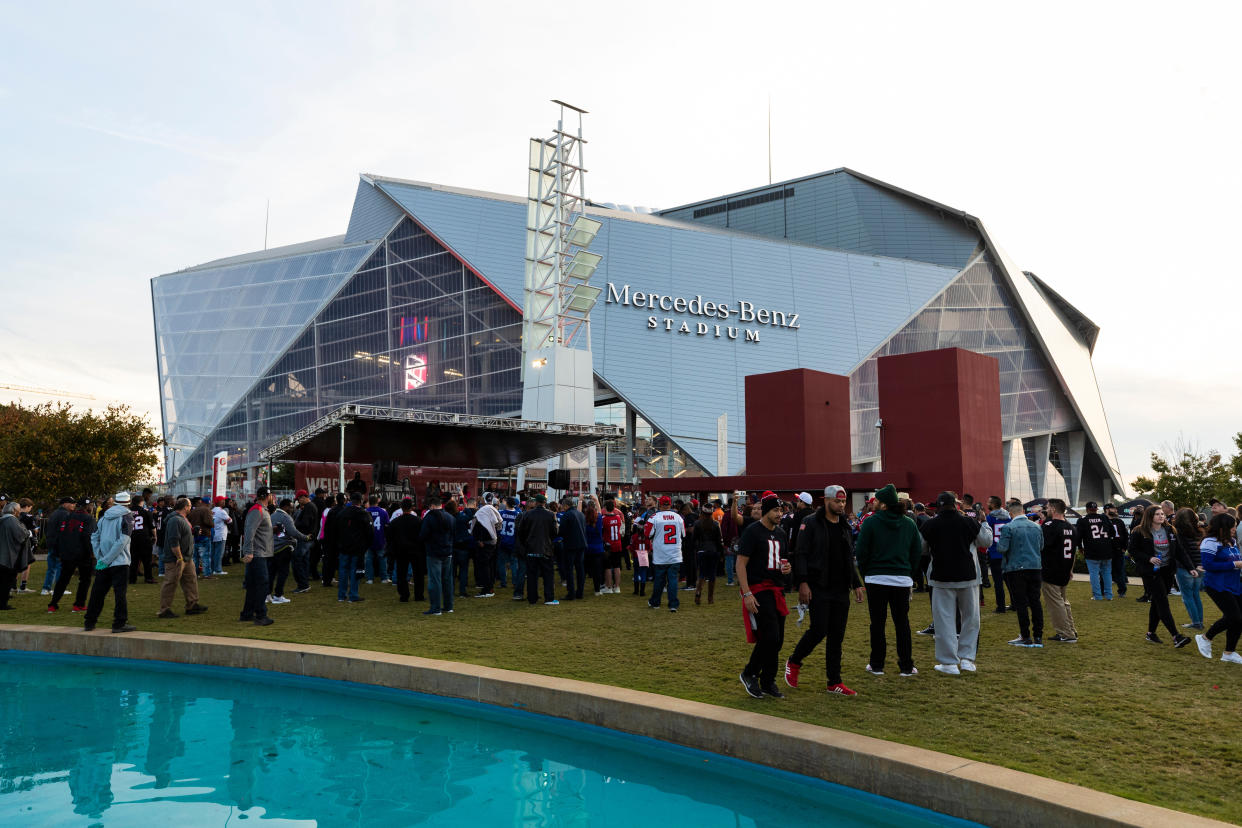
824 572
533 538
954 577
355 533
436 533
51 535
573 544
406 548
306 521
76 555
1121 540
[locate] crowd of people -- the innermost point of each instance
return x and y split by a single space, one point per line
773 550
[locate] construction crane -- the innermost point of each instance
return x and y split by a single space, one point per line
51 392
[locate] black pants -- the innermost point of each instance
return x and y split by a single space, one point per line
8 580
84 565
329 566
278 569
595 568
461 569
115 578
984 567
1230 622
1119 573
1024 590
140 560
485 568
998 580
1157 586
539 567
575 573
404 561
881 600
689 567
828 616
316 555
255 606
770 636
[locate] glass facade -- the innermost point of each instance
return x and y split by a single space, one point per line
218 328
412 328
975 313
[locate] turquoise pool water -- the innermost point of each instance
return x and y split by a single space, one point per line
92 742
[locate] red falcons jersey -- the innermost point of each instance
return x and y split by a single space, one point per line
614 526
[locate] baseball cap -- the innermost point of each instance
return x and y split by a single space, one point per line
694 502
538 498
301 493
67 500
665 500
805 498
834 491
221 499
1091 504
946 499
84 501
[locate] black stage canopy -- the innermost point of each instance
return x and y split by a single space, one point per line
366 434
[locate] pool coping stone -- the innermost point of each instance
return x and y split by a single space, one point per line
951 785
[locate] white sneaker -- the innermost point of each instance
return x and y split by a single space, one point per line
601 592
1205 645
369 581
385 581
280 599
46 592
268 600
874 672
914 671
948 669
1232 658
967 666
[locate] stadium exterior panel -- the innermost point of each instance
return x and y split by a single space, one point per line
418 306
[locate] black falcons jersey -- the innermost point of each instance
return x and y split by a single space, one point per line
1095 536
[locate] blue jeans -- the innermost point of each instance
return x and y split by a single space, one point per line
518 563
217 557
53 569
347 578
1101 573
202 555
504 560
731 568
375 567
665 574
1191 597
440 582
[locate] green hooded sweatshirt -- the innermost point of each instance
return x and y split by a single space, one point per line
888 544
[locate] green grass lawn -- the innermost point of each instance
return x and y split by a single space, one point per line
1111 712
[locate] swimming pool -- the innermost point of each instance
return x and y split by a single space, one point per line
93 742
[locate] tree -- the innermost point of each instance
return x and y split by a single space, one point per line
50 450
1189 477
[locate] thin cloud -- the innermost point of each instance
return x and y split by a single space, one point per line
136 137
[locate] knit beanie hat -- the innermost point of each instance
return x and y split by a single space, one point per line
888 496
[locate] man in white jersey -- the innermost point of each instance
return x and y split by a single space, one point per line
665 530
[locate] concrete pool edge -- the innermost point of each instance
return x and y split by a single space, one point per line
948 784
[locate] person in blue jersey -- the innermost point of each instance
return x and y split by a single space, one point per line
374 566
1218 554
996 518
510 565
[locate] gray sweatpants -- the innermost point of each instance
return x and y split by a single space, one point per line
947 602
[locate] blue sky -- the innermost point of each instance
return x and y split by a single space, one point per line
1097 141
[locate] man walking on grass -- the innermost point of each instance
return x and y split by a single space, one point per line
110 543
177 555
762 564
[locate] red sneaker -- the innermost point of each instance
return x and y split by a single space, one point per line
841 690
791 674
51 608
76 608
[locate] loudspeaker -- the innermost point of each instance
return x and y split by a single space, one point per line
384 473
558 479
